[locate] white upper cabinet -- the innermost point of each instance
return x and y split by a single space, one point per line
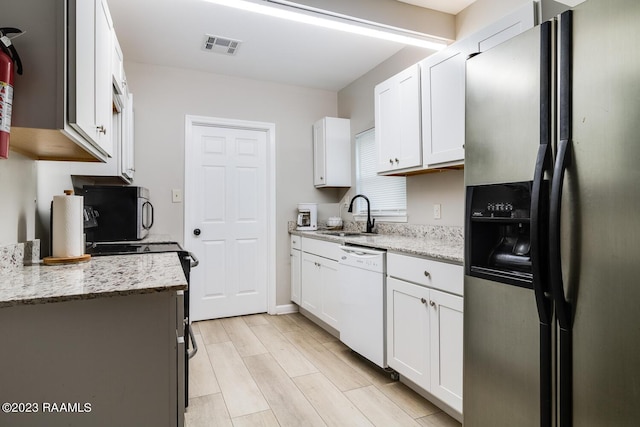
90 79
332 152
63 101
397 121
442 78
117 67
443 88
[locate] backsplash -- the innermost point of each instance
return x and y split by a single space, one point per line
19 254
452 234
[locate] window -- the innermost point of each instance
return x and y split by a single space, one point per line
387 194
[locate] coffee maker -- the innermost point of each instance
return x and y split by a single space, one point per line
307 217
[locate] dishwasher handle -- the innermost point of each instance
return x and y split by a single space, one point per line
360 251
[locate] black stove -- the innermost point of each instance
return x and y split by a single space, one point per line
100 249
187 261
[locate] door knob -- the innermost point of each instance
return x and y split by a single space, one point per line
196 232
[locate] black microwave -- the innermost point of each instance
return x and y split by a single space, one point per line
123 212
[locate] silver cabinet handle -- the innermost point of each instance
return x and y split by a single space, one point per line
432 303
422 300
102 129
397 161
391 161
426 273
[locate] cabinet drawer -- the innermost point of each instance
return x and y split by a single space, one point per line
321 248
434 274
296 242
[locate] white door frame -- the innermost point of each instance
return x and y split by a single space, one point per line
270 129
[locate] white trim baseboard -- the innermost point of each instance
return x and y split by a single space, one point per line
285 309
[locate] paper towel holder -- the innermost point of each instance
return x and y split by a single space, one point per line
51 260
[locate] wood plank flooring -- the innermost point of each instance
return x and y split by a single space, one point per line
263 370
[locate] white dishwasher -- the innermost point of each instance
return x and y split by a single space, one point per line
361 275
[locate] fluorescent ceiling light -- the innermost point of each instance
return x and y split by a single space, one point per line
334 21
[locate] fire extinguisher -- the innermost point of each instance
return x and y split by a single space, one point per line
8 57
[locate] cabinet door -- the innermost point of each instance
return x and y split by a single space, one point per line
310 292
408 330
296 277
502 30
82 68
127 165
443 104
319 154
103 77
330 293
90 88
446 347
397 118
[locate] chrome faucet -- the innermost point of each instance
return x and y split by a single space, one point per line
370 222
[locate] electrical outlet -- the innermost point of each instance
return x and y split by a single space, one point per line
436 211
176 196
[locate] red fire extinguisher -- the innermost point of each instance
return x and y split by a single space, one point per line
8 57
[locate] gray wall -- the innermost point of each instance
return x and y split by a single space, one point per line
17 199
162 98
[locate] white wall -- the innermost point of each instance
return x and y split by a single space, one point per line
162 98
17 199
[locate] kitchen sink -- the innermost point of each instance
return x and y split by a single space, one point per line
343 233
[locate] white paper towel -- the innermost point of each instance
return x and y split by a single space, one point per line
68 230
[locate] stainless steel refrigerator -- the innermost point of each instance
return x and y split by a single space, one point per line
552 250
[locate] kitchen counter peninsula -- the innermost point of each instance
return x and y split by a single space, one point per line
98 277
94 343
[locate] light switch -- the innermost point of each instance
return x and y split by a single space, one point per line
436 211
176 196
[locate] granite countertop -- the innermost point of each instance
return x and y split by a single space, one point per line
98 277
440 246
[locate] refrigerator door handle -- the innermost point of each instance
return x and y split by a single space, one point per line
564 310
563 307
539 226
539 192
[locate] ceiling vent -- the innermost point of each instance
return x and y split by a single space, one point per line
223 45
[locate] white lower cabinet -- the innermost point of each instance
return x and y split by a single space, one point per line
424 325
296 269
408 331
446 347
319 282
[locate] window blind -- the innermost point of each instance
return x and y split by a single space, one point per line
387 194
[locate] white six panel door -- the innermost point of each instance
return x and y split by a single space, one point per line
230 210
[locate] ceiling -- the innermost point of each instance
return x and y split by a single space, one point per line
449 6
171 32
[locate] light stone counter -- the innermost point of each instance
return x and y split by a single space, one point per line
438 243
99 277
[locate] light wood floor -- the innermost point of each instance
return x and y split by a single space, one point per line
263 370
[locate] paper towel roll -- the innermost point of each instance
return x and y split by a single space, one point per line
68 229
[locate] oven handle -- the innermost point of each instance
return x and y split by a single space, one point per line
194 260
192 338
